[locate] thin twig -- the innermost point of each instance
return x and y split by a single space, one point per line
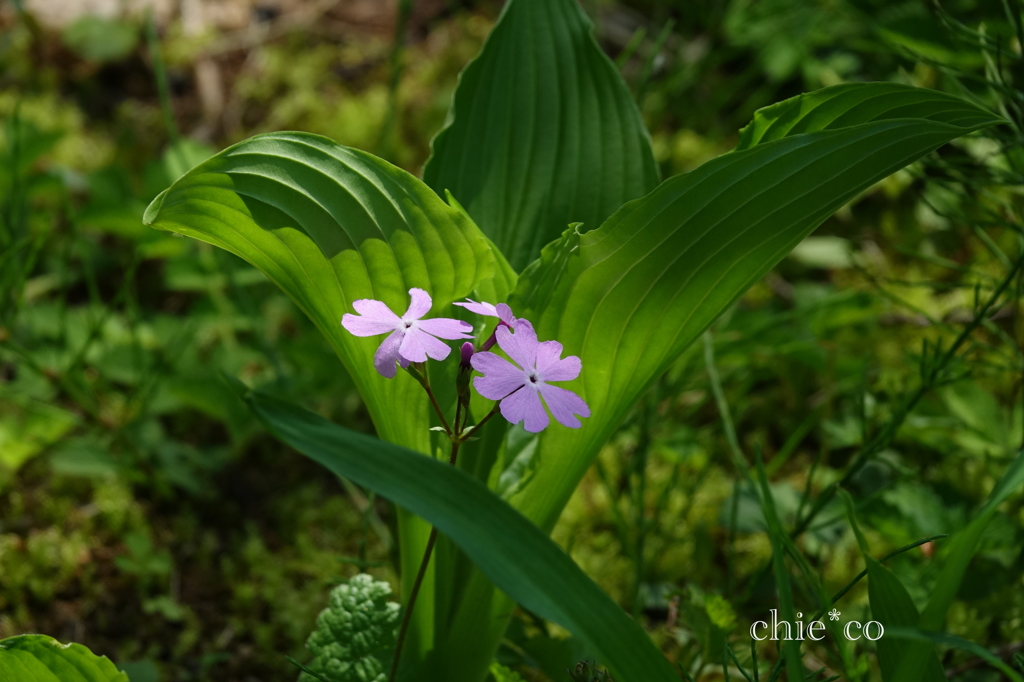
930 378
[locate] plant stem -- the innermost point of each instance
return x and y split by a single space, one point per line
458 415
407 616
494 411
457 437
424 381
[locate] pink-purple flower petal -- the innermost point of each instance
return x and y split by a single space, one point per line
419 305
480 308
520 343
359 325
504 313
445 328
524 406
375 310
500 311
387 354
418 345
564 405
552 367
500 378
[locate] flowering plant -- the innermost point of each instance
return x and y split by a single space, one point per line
543 134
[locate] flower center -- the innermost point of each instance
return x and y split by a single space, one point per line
408 324
533 378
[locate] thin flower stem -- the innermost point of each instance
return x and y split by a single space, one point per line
494 411
458 415
407 617
437 408
424 381
457 437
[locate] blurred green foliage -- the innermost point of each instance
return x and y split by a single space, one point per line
143 512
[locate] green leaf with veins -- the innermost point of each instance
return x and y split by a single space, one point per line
330 225
637 291
38 658
542 131
354 638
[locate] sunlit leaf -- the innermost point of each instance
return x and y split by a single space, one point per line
38 658
637 291
330 225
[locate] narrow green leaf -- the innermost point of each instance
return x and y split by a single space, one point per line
542 131
38 658
961 550
330 225
952 641
776 535
965 543
892 606
854 104
513 553
637 291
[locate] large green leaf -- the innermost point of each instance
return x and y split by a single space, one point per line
330 225
630 296
38 658
516 555
542 131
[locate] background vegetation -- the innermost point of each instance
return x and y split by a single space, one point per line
146 515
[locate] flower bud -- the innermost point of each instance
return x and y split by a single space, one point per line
467 353
465 371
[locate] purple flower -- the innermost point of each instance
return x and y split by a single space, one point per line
521 388
410 339
500 311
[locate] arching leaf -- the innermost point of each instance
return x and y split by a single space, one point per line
638 290
330 225
855 104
